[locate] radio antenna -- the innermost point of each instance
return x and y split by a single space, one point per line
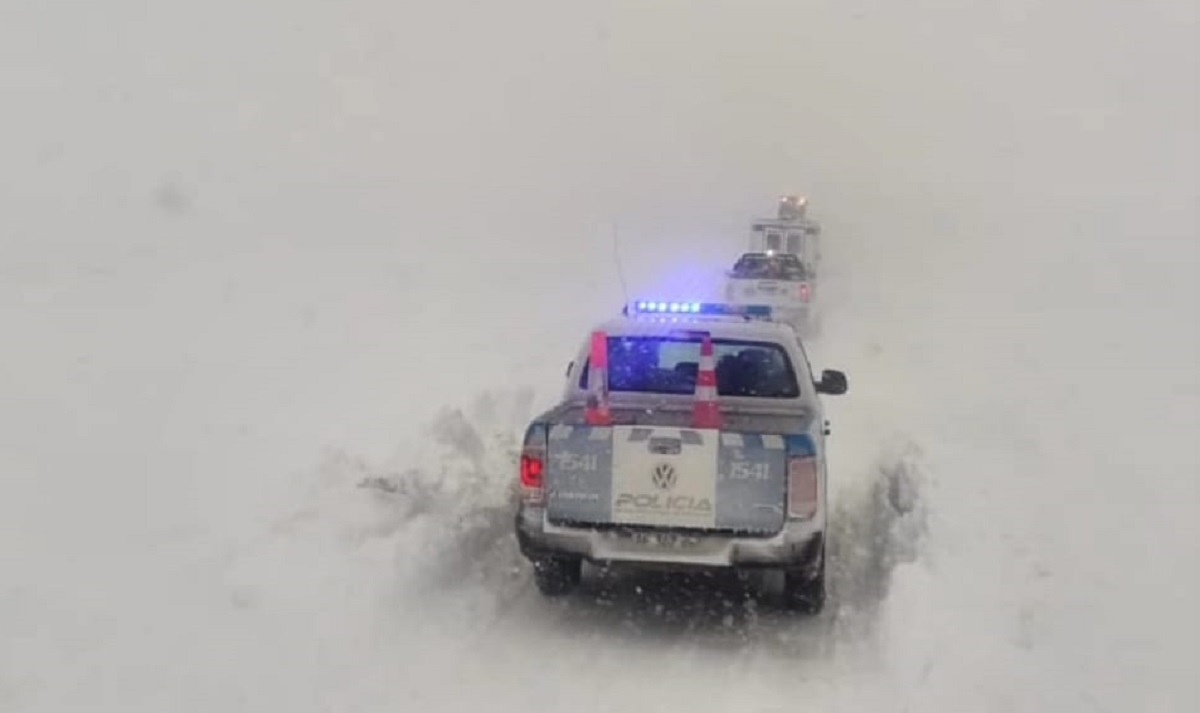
617 259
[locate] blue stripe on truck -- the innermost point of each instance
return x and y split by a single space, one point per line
800 445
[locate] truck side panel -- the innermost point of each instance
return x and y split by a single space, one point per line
579 474
752 482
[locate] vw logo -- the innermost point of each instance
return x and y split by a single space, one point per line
663 476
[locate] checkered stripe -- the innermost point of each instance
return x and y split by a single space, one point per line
753 441
561 432
689 437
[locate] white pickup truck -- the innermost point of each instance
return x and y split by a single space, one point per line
779 280
689 435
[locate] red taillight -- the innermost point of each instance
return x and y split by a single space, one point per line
803 495
804 291
532 472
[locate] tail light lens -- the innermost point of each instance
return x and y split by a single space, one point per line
804 292
533 466
803 495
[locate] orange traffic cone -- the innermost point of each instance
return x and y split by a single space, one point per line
598 413
706 413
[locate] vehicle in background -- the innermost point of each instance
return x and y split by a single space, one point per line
790 232
779 280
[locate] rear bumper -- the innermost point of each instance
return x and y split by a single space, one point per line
795 312
799 545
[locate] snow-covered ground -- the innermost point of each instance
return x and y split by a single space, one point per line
253 255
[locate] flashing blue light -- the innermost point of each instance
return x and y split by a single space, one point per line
703 308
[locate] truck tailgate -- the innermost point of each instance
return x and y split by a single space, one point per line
666 477
776 293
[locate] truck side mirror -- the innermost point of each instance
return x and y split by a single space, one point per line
832 382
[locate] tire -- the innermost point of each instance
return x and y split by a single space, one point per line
555 576
804 592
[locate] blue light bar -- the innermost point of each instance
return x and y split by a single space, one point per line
701 308
652 307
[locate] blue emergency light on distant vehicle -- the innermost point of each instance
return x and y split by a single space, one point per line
654 307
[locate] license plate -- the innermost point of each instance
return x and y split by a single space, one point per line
668 540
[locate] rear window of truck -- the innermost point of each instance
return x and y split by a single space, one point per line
759 266
668 365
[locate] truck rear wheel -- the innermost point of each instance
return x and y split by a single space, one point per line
804 592
555 576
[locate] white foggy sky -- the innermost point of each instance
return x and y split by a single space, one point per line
385 208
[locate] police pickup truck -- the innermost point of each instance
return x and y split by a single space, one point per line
689 435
